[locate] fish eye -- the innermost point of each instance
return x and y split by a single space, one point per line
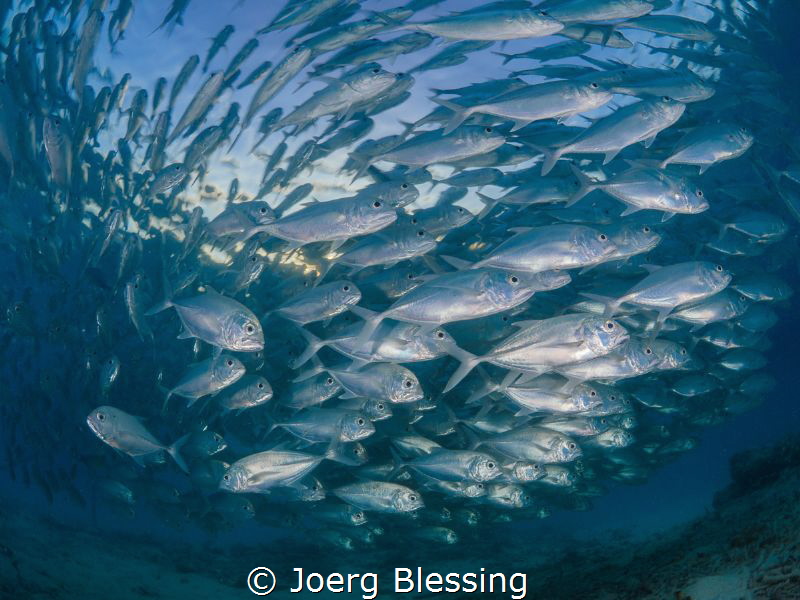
329 380
646 229
346 288
263 210
229 362
665 98
719 268
603 237
359 515
360 421
513 279
413 498
646 351
610 325
603 420
404 186
700 193
479 486
376 71
380 406
261 386
544 13
420 233
376 204
408 383
226 477
683 351
613 397
440 334
490 464
101 416
253 259
410 276
488 130
572 446
593 393
249 329
594 85
505 319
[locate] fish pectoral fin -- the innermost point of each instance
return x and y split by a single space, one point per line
649 141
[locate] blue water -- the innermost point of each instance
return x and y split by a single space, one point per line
52 462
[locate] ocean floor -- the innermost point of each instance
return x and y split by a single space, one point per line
746 547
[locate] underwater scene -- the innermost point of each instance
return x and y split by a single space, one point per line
383 299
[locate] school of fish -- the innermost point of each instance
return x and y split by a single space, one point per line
545 287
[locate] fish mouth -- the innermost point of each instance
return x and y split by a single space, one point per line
96 429
250 346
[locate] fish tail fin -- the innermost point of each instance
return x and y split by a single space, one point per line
612 305
468 362
362 164
174 452
586 184
488 204
506 57
167 395
372 320
166 302
236 139
332 451
551 157
388 19
324 268
399 463
462 113
314 345
315 370
158 307
473 440
488 388
408 128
